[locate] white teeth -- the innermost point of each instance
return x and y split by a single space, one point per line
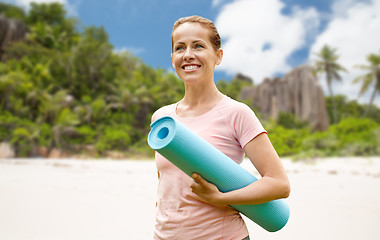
190 67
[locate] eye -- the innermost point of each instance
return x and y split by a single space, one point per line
179 48
199 46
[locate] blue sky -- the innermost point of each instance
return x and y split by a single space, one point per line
260 38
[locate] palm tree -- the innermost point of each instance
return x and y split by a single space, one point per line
372 77
326 64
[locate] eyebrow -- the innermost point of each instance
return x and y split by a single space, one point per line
195 41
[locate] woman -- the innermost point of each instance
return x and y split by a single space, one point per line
192 208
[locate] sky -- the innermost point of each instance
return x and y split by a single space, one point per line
260 38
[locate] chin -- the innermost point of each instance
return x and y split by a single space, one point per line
190 81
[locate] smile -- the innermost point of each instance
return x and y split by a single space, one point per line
190 67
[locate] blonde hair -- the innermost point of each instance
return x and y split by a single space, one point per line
214 35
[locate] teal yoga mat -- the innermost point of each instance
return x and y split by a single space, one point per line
191 153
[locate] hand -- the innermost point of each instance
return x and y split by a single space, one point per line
207 191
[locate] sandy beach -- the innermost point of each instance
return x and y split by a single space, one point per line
335 198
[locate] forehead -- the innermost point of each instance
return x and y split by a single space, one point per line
191 32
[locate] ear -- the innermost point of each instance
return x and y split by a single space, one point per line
219 56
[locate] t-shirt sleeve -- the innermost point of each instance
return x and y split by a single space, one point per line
154 117
163 111
246 125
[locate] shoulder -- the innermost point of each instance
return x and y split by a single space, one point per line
163 111
239 115
242 121
233 108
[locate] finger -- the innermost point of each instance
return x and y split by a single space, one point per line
198 179
197 185
195 176
194 184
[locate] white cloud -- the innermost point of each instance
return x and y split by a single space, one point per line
70 8
354 29
216 3
340 7
133 50
258 38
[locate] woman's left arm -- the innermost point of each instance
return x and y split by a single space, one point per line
274 183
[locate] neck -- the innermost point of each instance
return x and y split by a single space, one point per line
201 94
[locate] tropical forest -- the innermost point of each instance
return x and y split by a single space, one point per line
65 90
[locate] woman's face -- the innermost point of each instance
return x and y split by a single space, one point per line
193 56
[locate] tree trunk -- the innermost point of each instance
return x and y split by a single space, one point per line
334 120
371 99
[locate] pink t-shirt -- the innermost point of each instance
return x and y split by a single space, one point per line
229 126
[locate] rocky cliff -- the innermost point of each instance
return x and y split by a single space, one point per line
10 30
297 92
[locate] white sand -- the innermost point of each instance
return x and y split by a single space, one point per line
104 199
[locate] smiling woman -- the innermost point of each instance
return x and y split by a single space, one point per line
195 54
192 208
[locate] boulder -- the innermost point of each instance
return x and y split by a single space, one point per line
6 150
10 30
42 152
298 92
243 77
58 153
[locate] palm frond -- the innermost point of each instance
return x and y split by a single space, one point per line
366 80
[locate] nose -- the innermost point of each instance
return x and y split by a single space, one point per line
188 55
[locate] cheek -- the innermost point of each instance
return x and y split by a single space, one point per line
176 61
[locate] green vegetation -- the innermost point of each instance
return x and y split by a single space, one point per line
233 87
62 88
351 136
67 88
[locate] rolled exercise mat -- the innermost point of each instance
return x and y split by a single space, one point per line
192 154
